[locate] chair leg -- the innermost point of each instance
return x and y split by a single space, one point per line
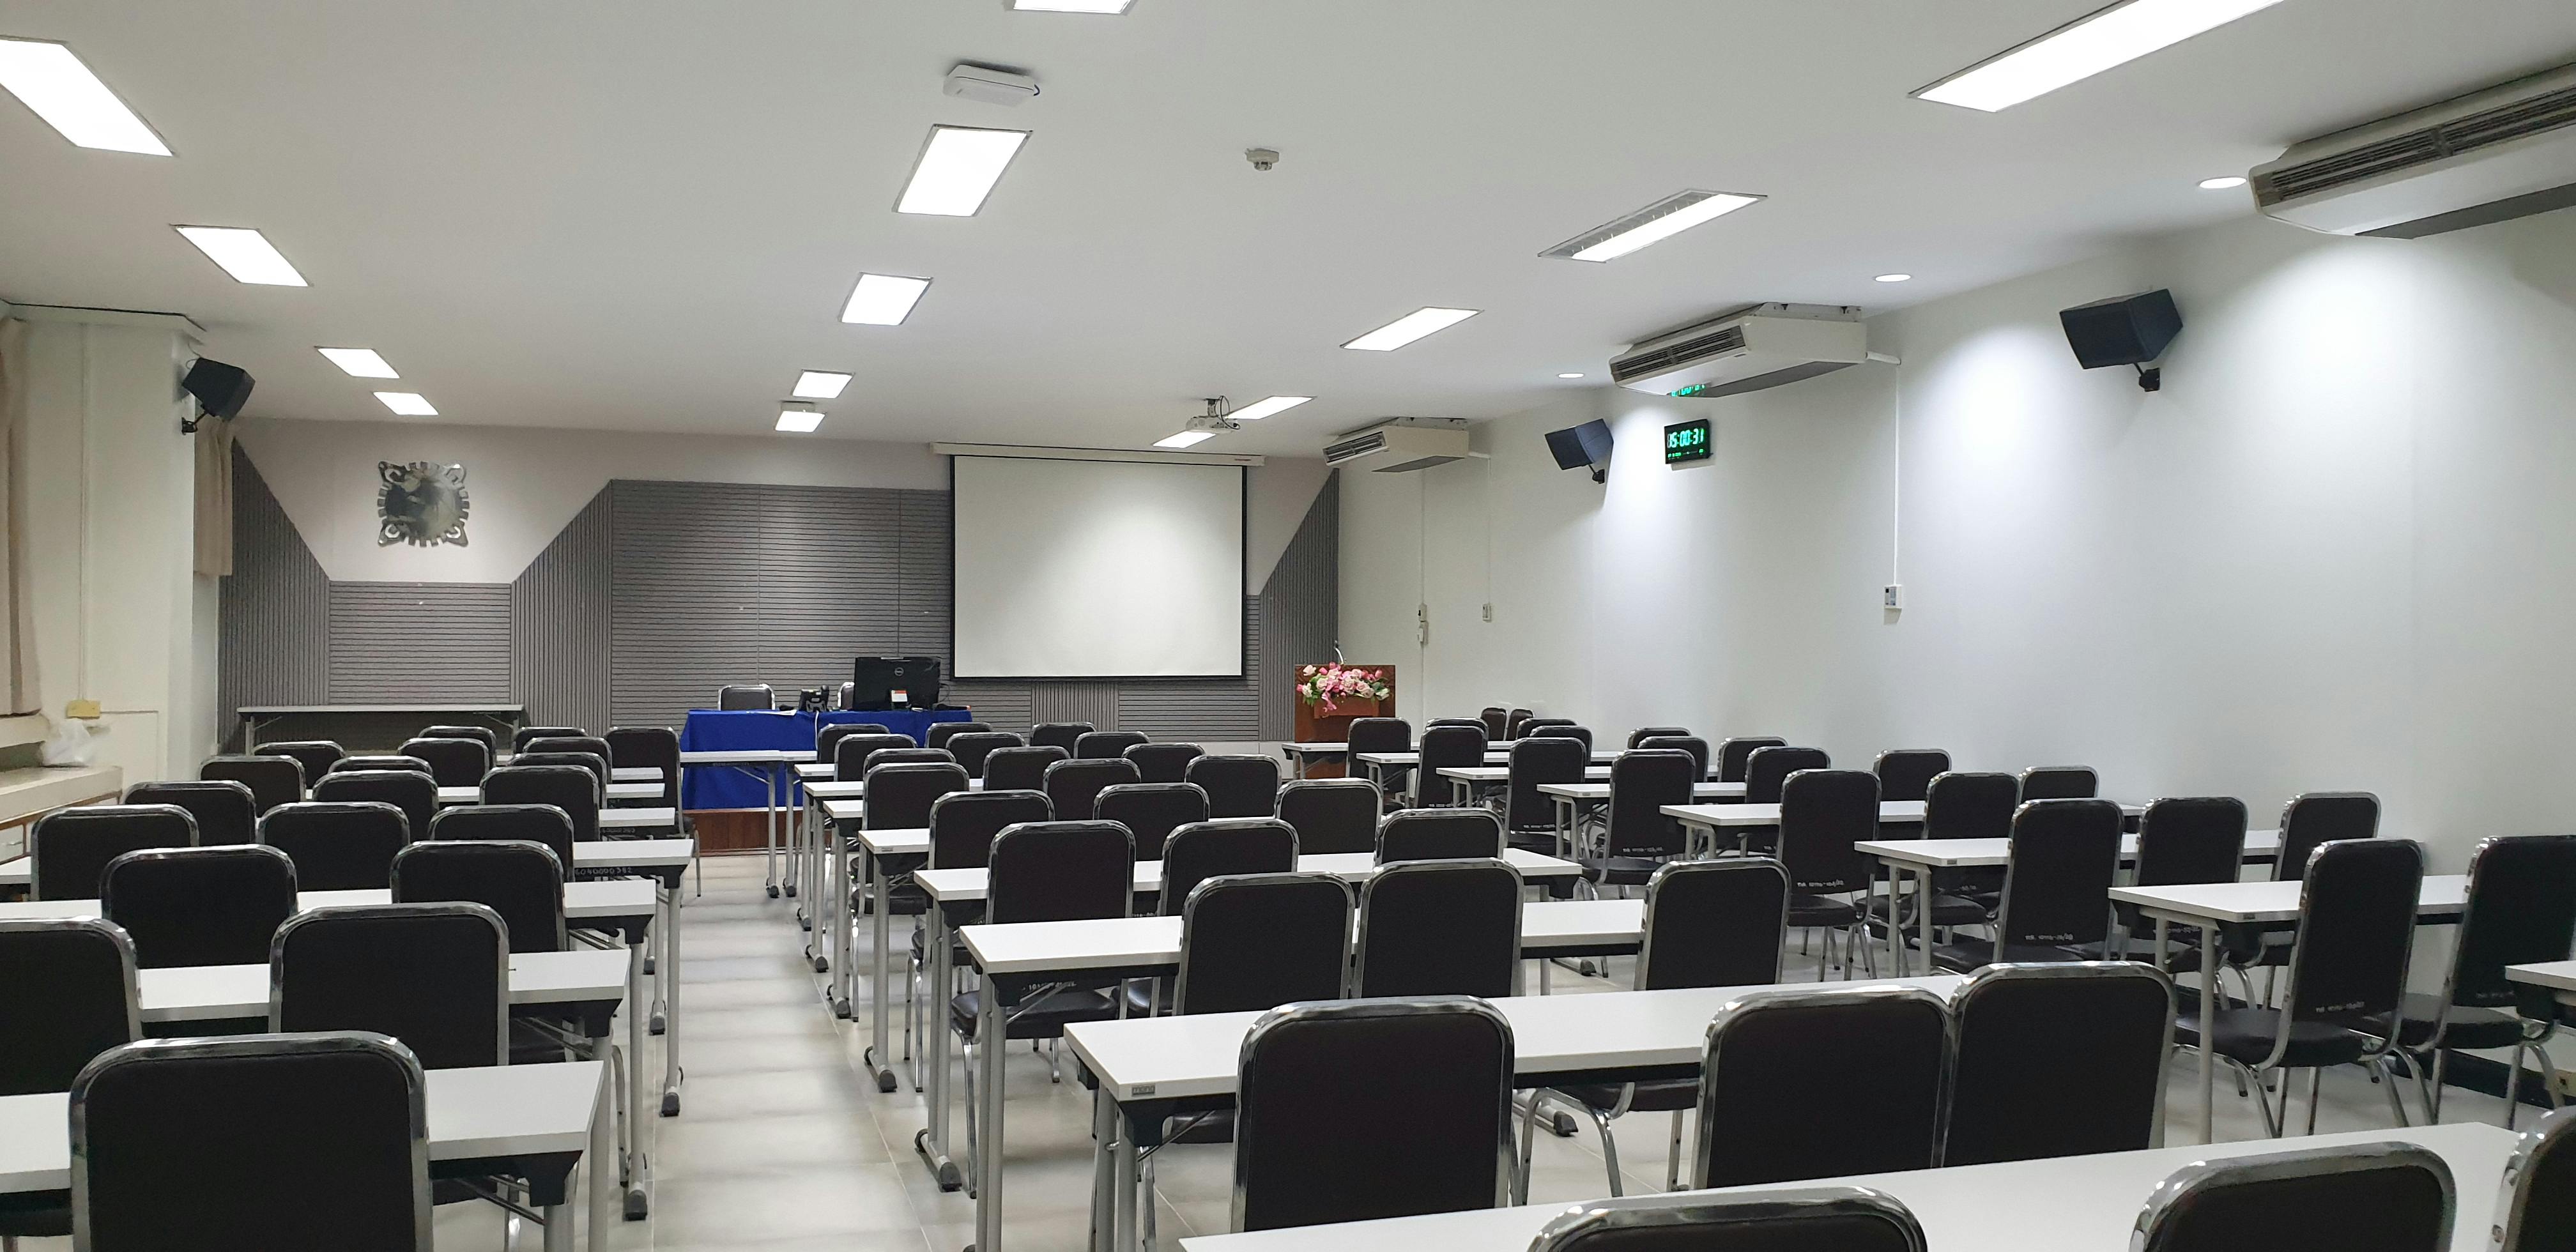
1529 1138
1145 1222
1609 1149
974 1157
2316 1080
1673 1160
2513 1090
2396 1104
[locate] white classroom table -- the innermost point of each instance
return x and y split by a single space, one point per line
616 791
1576 800
600 903
2057 1204
2558 976
810 860
639 819
196 993
1150 947
662 862
494 1113
1302 756
767 760
2441 899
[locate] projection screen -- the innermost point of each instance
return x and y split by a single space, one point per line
1097 569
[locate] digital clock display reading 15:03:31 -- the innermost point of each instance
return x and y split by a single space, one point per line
1686 442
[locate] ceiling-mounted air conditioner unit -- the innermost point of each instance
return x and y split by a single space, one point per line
2491 156
1748 349
1398 449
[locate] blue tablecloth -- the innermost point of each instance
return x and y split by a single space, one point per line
730 787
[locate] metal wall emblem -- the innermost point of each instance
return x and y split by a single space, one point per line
421 504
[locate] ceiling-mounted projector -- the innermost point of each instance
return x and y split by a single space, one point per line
1747 349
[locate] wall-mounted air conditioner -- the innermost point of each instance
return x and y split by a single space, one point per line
1397 449
1748 349
2498 154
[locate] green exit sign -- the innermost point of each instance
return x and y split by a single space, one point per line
1686 442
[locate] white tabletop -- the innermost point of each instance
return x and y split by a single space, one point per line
1503 773
1143 942
616 791
2443 895
632 853
2050 1205
914 842
854 791
1955 853
201 992
501 1110
2558 976
748 756
1600 791
636 773
1769 814
583 901
638 819
1493 752
957 886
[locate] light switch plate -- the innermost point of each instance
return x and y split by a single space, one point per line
1892 597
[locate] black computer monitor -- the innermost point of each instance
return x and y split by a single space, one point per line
894 682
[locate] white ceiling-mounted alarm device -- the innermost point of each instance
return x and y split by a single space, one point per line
992 86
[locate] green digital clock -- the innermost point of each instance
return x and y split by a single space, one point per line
1686 442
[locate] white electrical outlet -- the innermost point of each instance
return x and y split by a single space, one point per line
1892 597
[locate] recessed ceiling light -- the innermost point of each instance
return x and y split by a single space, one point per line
407 403
1185 439
1652 224
799 419
1071 6
1411 326
958 168
244 253
2083 48
1895 278
1569 375
1275 404
59 88
883 300
820 385
359 362
2221 184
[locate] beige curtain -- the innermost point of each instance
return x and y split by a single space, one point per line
215 497
17 625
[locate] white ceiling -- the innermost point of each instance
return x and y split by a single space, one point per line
645 215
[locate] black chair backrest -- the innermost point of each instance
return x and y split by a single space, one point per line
963 823
1771 1110
2060 782
1693 744
1251 942
1769 767
1438 928
542 824
1162 762
1642 782
1722 923
1105 745
938 734
1811 1219
1497 720
1959 805
523 736
199 906
1534 763
827 739
2522 911
375 761
315 755
1553 730
1637 738
485 735
68 849
338 845
453 762
1379 734
746 698
590 745
1533 725
1332 814
1237 786
1477 722
974 747
648 747
1823 812
1072 786
70 983
1430 1081
2186 839
1060 871
2357 908
899 795
2057 887
2023 1036
1194 853
2536 1211
1021 769
251 1141
1513 720
434 976
225 811
519 880
1440 835
273 780
1907 773
1151 811
2322 817
1735 756
1448 747
568 788
2388 1197
590 763
415 794
1059 734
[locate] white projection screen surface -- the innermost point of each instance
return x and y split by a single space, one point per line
1097 569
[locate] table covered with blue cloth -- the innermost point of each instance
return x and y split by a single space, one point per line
731 787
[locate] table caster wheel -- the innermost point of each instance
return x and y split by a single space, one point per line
885 1081
841 1009
636 1205
822 964
791 891
1562 1126
773 891
670 1104
657 1024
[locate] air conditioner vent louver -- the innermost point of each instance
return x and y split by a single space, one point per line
1664 360
1396 448
1355 447
1750 349
2542 113
2505 152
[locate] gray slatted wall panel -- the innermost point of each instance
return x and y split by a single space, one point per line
273 641
402 643
1002 706
1201 709
1301 609
559 636
1096 703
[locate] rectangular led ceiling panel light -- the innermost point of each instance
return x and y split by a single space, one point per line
54 83
1652 224
820 385
245 254
2081 49
1185 439
407 403
958 168
1411 326
359 362
799 420
1275 404
883 300
1072 6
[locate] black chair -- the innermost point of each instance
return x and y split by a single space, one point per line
273 780
199 906
1959 805
529 823
746 698
1636 837
338 845
1162 762
1497 721
453 762
1823 813
1252 942
1529 816
1708 924
1693 744
1513 720
1776 1100
2347 977
1379 734
255 1141
2060 782
225 811
974 747
1553 730
1194 853
900 794
850 752
2057 888
1237 786
70 983
1477 722
1637 738
1072 786
521 881
315 755
2056 1060
1764 773
963 824
1440 835
1427 1083
827 739
2521 911
415 794
2183 840
434 976
1439 928
484 735
1021 769
523 736
1150 811
1332 814
2308 822
1735 756
939 733
1105 745
1445 747
1907 773
570 789
375 761
1529 725
590 763
1820 1219
1059 735
2537 1210
68 849
648 747
2387 1197
586 745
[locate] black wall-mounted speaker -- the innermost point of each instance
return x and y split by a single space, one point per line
221 390
1579 446
2131 330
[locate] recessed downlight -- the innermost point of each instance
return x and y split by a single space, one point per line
1410 327
1276 404
359 362
1185 439
1072 6
407 403
1569 375
2227 183
958 168
883 300
1652 224
2083 48
244 253
799 419
1894 278
57 86
820 385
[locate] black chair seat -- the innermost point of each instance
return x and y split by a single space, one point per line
36 1214
1652 1097
1044 1020
1805 911
1149 998
905 900
1947 910
2246 1035
1974 955
1619 871
2469 1028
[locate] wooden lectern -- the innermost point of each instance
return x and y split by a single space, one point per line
1315 724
